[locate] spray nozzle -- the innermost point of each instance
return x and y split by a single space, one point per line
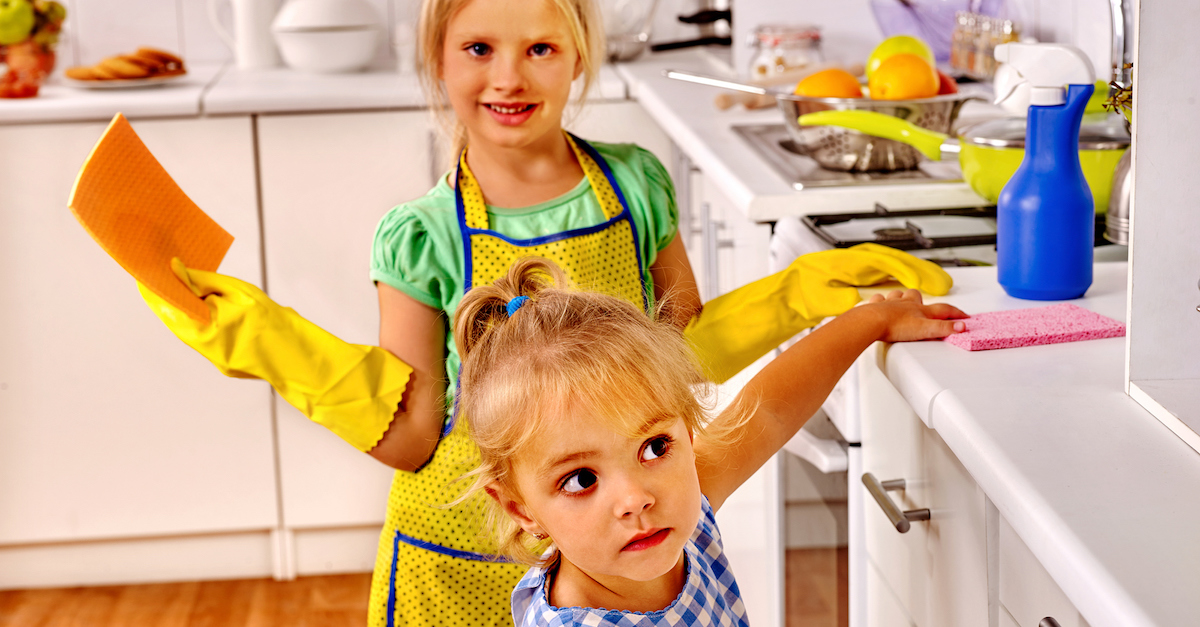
1047 68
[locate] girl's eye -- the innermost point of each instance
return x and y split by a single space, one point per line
479 50
540 50
579 481
656 448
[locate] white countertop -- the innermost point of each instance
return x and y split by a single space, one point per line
1103 494
686 112
58 102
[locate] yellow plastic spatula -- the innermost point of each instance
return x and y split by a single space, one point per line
130 205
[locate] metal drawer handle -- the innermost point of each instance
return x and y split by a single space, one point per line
1048 622
896 516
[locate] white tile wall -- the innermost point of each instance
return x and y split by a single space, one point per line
850 31
99 28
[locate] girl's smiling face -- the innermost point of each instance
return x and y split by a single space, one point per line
508 66
615 506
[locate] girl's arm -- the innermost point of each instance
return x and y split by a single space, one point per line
791 388
674 280
415 333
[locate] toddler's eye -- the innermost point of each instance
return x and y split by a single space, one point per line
579 481
479 50
656 448
540 50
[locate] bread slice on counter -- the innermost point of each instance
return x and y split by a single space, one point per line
144 63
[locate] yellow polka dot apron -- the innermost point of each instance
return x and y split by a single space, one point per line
433 568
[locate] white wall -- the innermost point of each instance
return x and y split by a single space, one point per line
96 29
850 31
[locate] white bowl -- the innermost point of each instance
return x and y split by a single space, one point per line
328 51
325 14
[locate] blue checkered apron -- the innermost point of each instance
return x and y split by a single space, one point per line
709 597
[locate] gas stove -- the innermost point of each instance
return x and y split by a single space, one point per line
773 143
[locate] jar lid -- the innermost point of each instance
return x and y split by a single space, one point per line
774 33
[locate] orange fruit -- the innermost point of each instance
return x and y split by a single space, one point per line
898 44
831 83
903 77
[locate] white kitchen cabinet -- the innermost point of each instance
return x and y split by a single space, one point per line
327 179
1027 593
111 429
938 569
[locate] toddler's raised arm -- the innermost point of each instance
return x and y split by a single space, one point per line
791 388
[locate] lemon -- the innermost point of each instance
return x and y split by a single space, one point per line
898 44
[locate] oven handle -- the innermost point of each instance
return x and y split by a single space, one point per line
898 517
827 455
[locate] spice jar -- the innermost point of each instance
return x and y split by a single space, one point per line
782 48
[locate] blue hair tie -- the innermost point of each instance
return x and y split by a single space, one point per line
515 304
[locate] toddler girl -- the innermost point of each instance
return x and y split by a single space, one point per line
602 470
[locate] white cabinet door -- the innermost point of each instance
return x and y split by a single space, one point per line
110 427
1027 592
938 568
732 250
327 179
621 122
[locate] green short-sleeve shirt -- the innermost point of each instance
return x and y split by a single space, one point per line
418 246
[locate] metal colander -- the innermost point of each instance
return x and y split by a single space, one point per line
843 149
847 150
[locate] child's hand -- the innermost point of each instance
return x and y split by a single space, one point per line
908 319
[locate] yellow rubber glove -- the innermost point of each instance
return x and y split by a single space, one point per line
351 389
733 330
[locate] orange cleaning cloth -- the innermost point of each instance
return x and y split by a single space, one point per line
130 205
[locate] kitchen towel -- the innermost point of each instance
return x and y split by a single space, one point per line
129 204
1051 324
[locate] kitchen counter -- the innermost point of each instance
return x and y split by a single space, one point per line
220 89
58 102
686 112
1102 493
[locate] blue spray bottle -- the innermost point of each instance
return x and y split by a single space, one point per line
1045 217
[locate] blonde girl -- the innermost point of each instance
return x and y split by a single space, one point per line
594 449
604 213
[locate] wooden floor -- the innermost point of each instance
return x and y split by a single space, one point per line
816 597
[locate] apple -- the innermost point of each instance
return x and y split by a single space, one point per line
946 84
16 21
895 44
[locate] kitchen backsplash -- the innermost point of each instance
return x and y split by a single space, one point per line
99 28
850 32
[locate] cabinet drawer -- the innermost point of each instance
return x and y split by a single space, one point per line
1027 591
938 568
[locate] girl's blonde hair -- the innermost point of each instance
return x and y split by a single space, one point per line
562 350
587 31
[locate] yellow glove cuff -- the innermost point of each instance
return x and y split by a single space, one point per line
734 330
351 389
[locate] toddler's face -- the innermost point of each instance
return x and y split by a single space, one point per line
508 66
615 506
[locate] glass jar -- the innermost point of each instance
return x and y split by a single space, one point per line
781 48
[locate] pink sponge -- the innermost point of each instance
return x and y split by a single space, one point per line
1029 327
